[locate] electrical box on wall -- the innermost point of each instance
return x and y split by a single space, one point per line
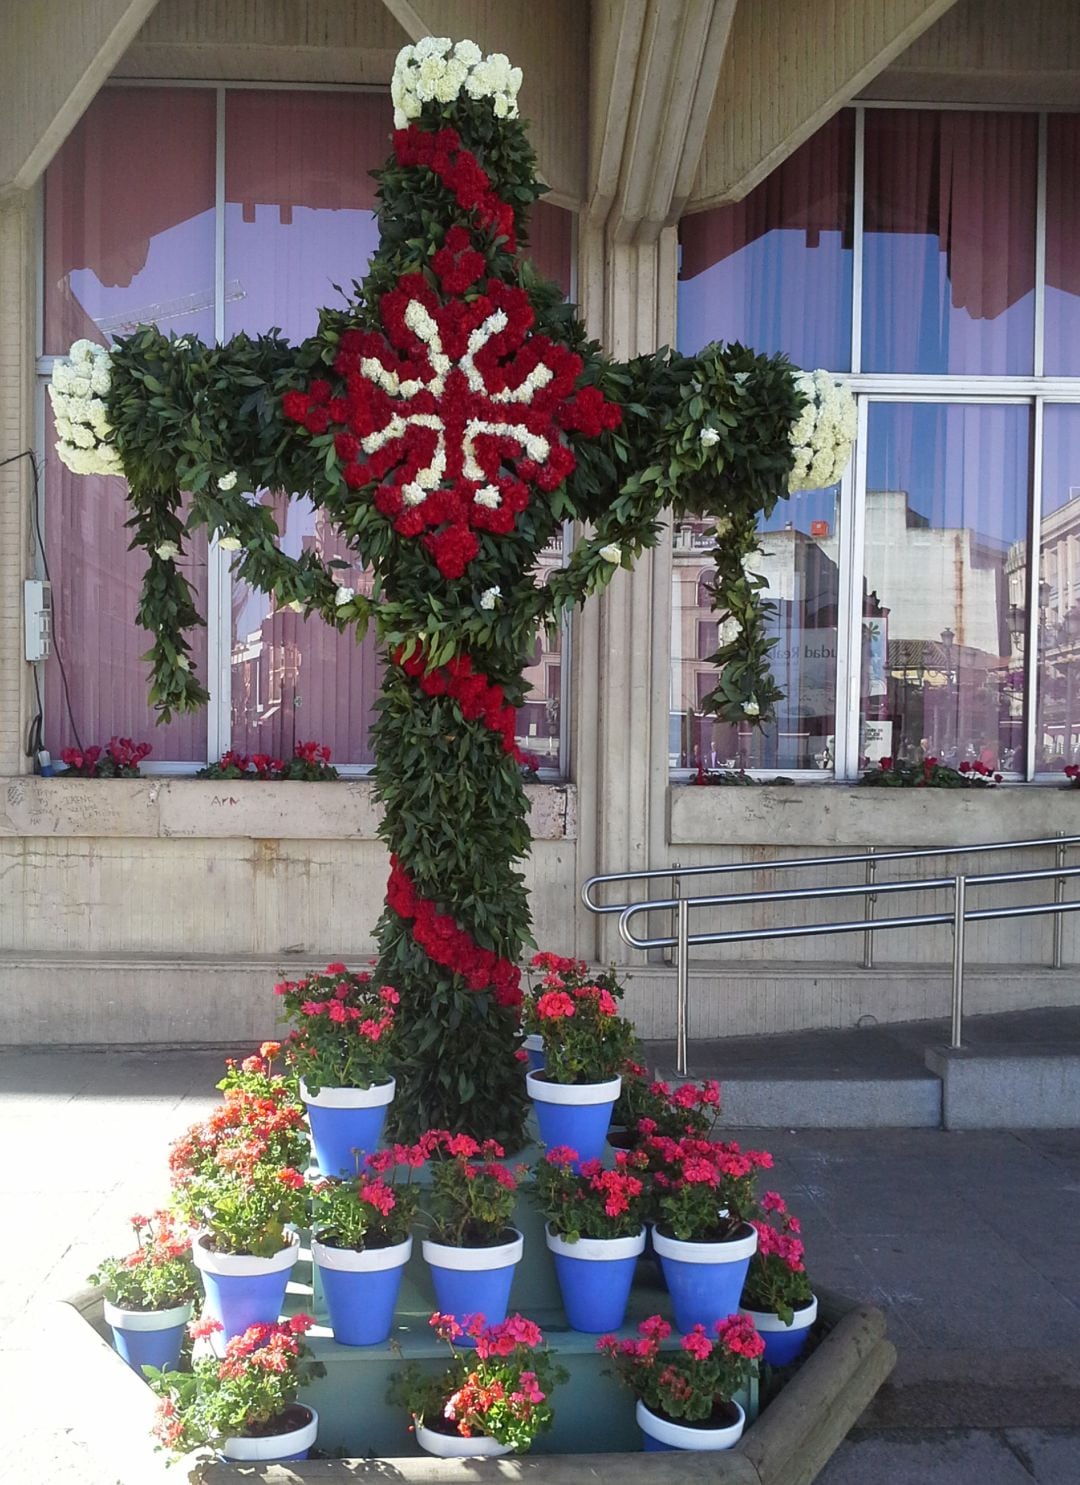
37 619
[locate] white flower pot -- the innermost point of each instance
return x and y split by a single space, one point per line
361 1289
346 1123
705 1280
474 1281
595 1276
149 1337
450 1446
670 1435
292 1445
242 1289
576 1115
783 1343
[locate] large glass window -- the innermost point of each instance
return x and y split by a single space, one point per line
946 500
749 271
958 284
949 265
799 550
133 235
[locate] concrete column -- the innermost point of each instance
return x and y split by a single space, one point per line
17 320
622 640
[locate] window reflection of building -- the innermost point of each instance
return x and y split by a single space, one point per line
1057 630
801 573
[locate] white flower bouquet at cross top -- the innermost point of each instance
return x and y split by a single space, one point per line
822 434
77 391
435 70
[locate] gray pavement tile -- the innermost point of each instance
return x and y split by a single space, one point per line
1051 1455
960 1457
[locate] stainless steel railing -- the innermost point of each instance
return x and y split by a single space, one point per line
870 889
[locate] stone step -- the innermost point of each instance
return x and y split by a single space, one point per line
1019 1069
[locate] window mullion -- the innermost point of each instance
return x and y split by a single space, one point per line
1032 579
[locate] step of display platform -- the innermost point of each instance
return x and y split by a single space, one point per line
594 1413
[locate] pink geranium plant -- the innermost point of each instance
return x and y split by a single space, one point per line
703 1189
343 1028
577 1016
374 1209
696 1381
500 1388
777 1280
473 1192
157 1274
648 1106
237 1172
249 1392
593 1202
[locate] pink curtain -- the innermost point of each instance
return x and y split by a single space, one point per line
949 271
129 230
1062 346
750 270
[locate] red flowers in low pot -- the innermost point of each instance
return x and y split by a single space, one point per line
686 1395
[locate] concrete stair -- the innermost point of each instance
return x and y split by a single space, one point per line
1020 1069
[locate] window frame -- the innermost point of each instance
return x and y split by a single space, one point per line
1036 390
219 574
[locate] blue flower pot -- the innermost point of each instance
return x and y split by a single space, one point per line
574 1114
361 1289
705 1280
595 1275
473 1281
661 1435
148 1337
346 1123
243 1290
534 1048
783 1343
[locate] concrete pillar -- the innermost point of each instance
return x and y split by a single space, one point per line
622 640
17 322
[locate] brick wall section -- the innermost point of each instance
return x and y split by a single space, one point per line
16 433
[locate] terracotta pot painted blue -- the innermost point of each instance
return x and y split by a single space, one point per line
346 1123
595 1275
662 1435
574 1114
273 1448
783 1343
361 1289
149 1337
243 1290
705 1280
473 1281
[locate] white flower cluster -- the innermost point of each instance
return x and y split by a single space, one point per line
823 433
78 390
435 70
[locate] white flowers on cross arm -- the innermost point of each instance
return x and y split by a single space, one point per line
822 435
752 562
168 551
708 436
344 596
490 597
751 708
77 391
729 631
229 543
228 481
435 70
611 553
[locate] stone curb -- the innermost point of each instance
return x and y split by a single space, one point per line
111 1412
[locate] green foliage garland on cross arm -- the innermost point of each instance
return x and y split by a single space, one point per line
187 419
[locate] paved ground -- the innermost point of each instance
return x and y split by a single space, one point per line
971 1242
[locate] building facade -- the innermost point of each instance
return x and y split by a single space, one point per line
880 187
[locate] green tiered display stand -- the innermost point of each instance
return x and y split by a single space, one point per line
594 1414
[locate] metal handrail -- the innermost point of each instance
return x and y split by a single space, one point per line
959 916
